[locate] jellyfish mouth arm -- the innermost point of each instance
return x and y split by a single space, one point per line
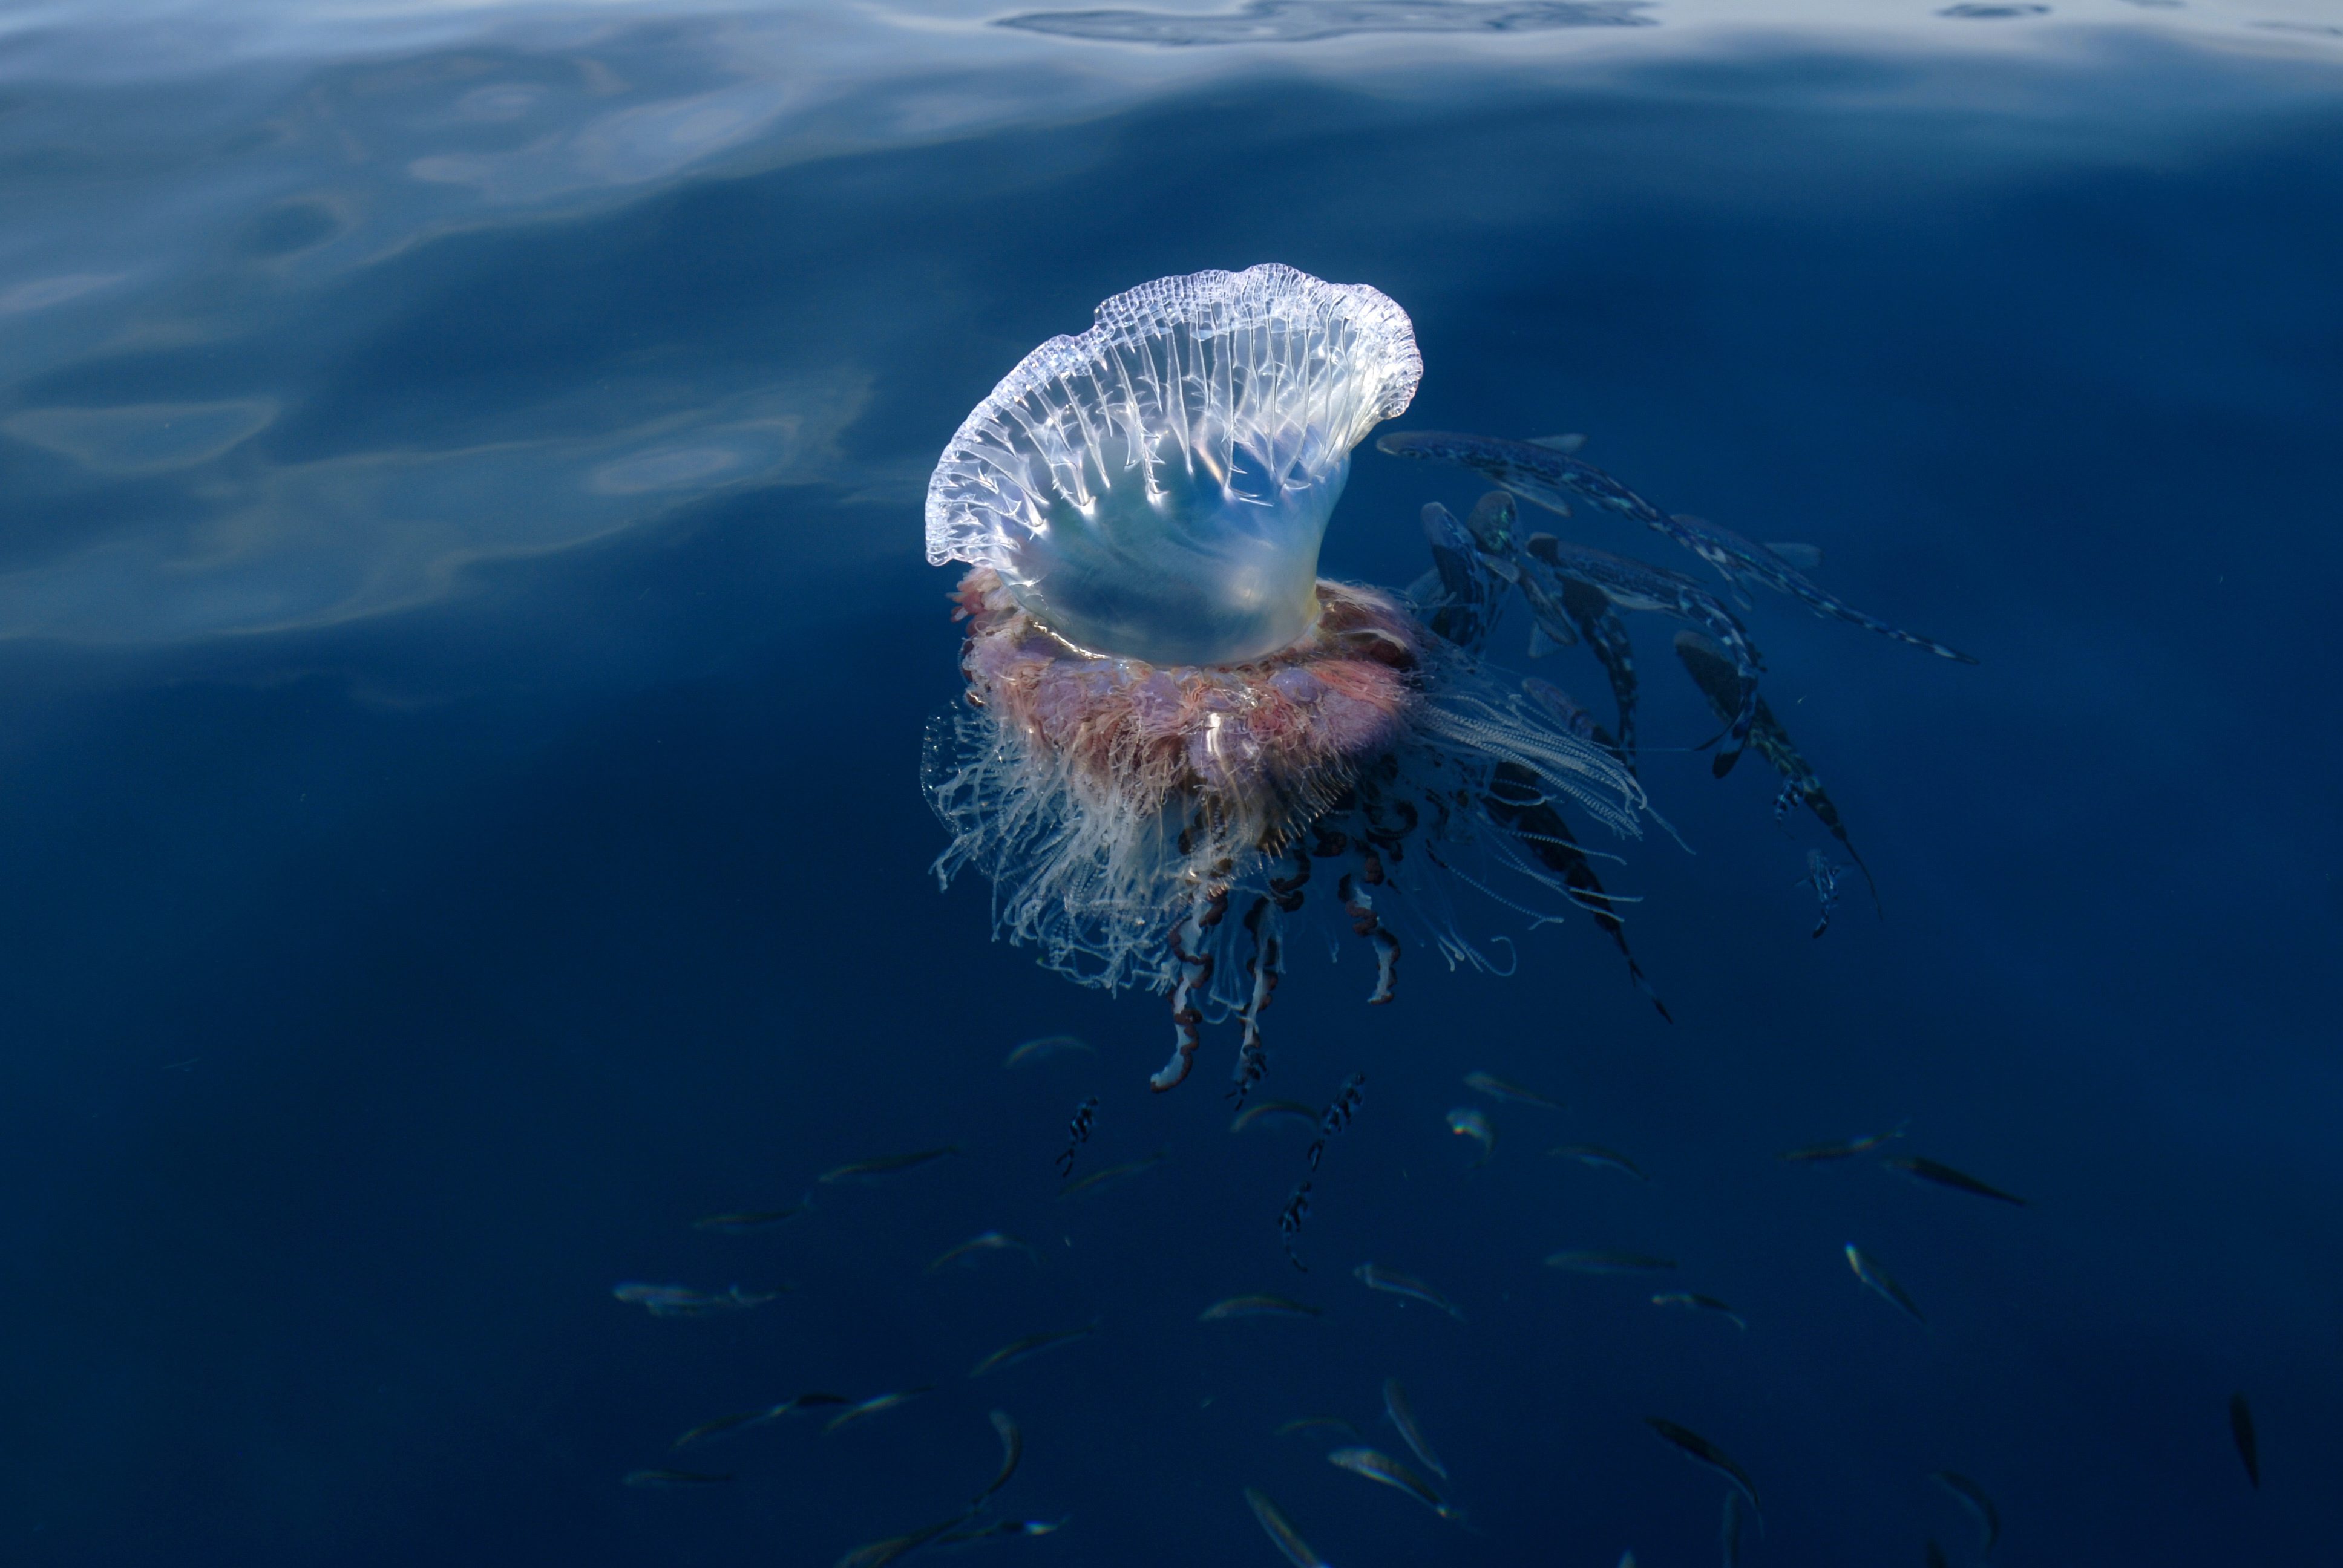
1359 905
1189 951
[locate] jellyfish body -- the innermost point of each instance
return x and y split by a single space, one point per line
1173 728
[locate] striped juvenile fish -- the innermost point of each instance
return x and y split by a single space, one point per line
1377 1465
1403 1416
1639 586
1596 1155
1715 674
1468 601
1604 1261
1879 1280
1256 1307
1699 1302
1497 1087
1959 1181
887 1165
1282 1533
1030 1345
1548 475
1701 1450
1380 1279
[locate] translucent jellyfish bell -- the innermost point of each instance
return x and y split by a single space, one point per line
1157 486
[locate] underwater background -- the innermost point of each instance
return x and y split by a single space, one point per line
467 648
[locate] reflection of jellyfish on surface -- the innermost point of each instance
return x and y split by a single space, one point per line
1175 728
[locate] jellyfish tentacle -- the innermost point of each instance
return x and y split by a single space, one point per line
1265 964
1359 905
1193 958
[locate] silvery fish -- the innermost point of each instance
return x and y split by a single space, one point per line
1261 1111
987 1242
1041 1050
1604 1261
1699 1448
742 1223
1256 1307
1380 1279
1880 1280
1843 1150
1595 1154
887 1165
1694 1299
1376 1465
1497 1087
1958 1181
1549 475
1471 1124
1282 1533
1403 1416
1973 1498
872 1406
1029 1346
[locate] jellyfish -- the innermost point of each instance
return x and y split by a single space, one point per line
1177 736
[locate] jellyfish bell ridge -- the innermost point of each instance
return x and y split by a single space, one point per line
1157 486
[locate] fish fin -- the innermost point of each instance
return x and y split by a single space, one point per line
1540 644
1805 557
1562 443
1722 763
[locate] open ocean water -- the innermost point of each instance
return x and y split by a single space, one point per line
467 644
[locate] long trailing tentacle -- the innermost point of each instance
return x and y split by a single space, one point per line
1189 948
1266 963
1359 905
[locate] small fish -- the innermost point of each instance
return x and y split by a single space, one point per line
1041 1050
672 1478
724 1424
1822 875
1377 1465
872 1406
887 1165
682 1302
986 1241
1497 1087
1596 1155
1310 1422
1256 1307
1973 1498
2241 1429
1282 1533
1517 801
1959 1181
1713 673
1099 1180
1705 1452
1012 1453
1875 1278
1728 1534
1030 1345
1699 1302
1473 1125
1000 1527
1604 1261
1546 474
1842 1150
1078 1133
1467 602
1264 1110
880 1552
1634 585
1403 1416
742 1223
1380 1279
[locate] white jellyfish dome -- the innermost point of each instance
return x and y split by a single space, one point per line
1157 486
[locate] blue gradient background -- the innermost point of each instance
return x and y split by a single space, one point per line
401 941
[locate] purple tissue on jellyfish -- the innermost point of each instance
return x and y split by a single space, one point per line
1170 716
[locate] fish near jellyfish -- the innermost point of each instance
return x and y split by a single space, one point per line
1177 735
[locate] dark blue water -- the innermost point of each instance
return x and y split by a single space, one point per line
467 649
